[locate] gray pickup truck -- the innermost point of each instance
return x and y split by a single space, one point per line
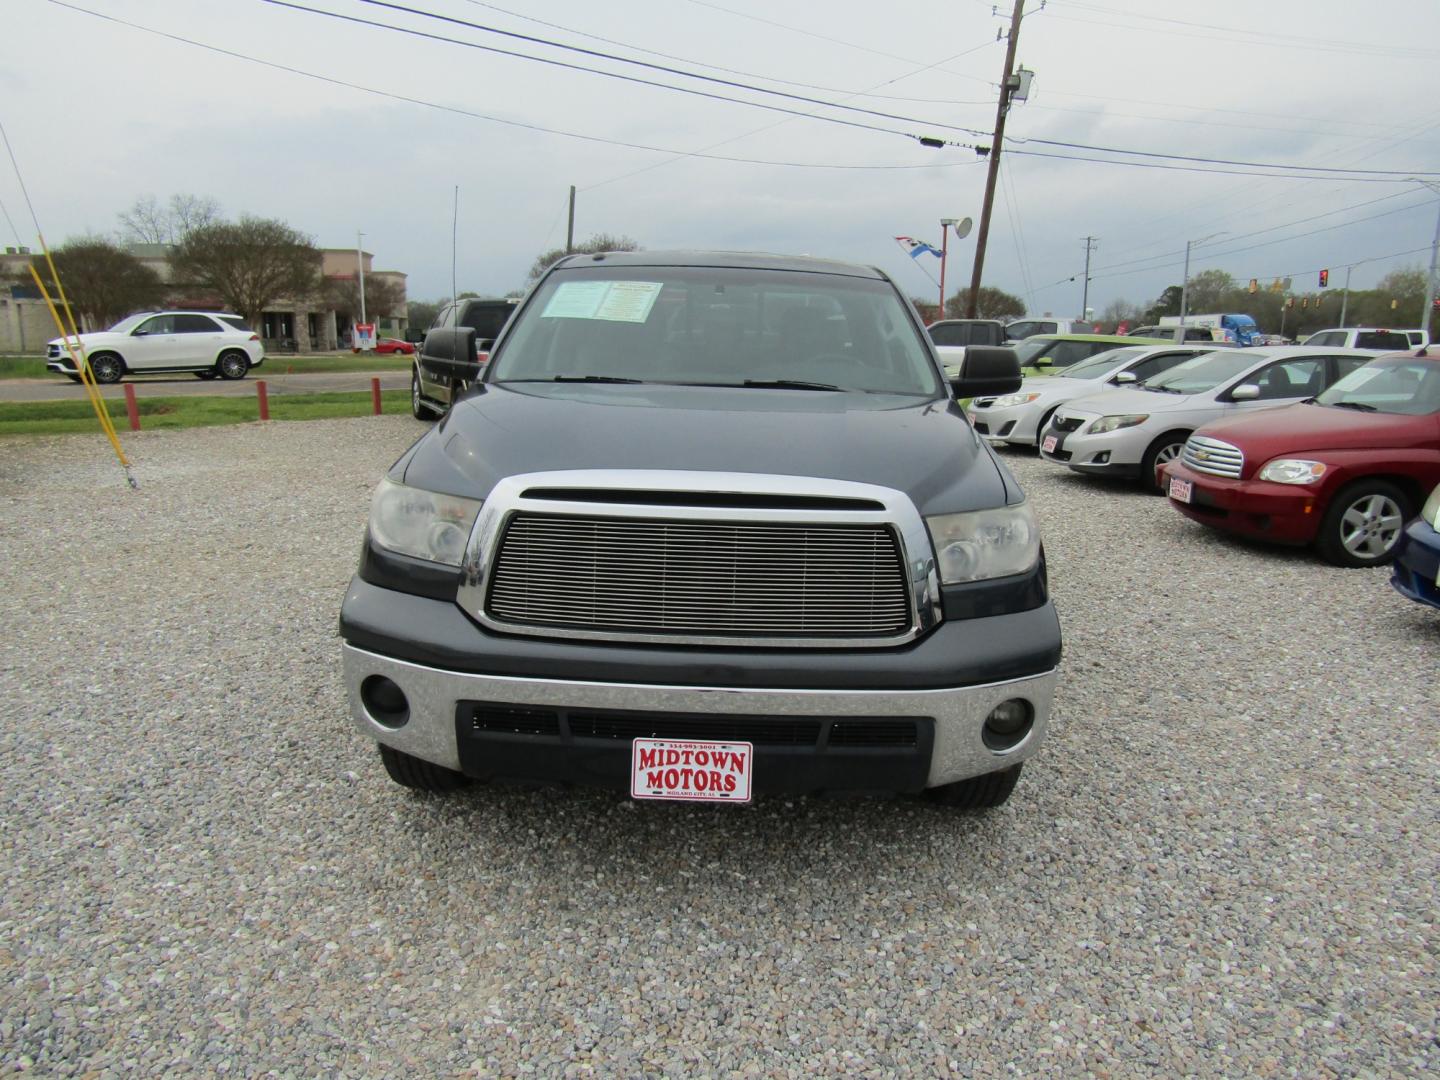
434 386
706 526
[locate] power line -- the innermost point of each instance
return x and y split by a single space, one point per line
747 74
456 110
1212 161
1196 168
1220 108
613 57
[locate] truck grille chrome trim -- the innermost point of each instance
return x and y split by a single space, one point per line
739 567
1207 455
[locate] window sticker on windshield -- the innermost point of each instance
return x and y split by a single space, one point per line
612 301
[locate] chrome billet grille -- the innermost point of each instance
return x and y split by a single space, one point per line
1212 456
714 578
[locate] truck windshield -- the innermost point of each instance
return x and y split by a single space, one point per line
718 326
1206 371
1408 387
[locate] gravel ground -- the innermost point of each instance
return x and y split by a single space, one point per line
1223 863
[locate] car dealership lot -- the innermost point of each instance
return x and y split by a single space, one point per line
1222 861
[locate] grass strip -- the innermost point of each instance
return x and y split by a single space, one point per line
75 417
32 367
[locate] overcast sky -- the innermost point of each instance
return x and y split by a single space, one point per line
100 114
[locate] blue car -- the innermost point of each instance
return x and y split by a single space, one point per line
1417 556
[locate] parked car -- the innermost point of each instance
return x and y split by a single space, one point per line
1368 337
433 386
386 346
1020 329
1417 556
1050 354
207 343
1128 433
1018 418
1185 333
961 332
705 506
1342 472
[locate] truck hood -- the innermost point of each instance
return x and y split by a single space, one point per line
1293 429
923 448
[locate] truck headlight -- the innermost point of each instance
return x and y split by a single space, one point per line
1293 471
985 543
1431 512
1115 423
1010 400
422 524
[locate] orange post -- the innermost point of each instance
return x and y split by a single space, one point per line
132 407
375 394
264 399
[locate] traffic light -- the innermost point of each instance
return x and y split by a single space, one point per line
1324 278
1254 285
1304 301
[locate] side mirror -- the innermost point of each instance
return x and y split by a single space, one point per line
138 332
450 353
1245 392
1124 377
986 370
1040 361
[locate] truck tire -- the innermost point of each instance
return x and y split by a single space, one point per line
419 775
1363 524
418 408
107 367
979 792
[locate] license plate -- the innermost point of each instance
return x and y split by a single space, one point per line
691 771
1048 446
1181 490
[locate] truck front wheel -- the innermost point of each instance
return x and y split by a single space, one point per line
979 792
419 775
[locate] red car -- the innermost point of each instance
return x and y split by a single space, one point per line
1342 471
387 345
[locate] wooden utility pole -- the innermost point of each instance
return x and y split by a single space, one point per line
570 224
972 306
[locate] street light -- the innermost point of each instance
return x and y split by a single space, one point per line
1185 281
962 230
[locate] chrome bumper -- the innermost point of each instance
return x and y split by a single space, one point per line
959 713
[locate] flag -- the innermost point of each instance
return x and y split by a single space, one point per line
915 248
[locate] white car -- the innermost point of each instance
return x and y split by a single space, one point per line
204 342
1372 338
1019 418
1127 433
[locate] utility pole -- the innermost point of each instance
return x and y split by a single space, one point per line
1090 242
1430 277
570 225
1001 109
360 266
1345 296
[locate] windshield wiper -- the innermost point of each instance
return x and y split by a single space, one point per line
789 384
1160 389
581 378
1359 405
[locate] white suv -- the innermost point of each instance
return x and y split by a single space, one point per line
204 342
1370 337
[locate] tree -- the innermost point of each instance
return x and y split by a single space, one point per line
250 263
383 296
103 282
597 243
1207 290
422 313
928 310
1168 303
150 222
1118 311
990 304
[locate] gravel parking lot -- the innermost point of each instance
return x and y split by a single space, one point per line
1223 863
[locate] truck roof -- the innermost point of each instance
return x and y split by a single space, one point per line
752 260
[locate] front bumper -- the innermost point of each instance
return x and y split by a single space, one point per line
1284 513
1013 424
543 701
1114 453
1417 564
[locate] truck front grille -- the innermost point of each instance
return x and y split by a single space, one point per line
685 578
1212 456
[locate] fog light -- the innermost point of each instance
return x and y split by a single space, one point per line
384 701
1102 458
1008 724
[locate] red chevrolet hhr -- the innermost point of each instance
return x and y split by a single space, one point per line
1342 471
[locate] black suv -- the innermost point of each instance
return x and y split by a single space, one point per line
433 388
